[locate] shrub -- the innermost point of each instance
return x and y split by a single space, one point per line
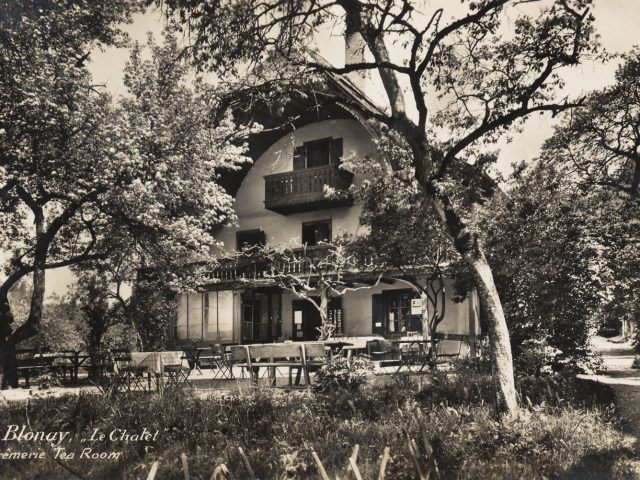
536 357
343 373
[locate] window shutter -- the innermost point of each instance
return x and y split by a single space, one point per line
299 158
336 150
377 314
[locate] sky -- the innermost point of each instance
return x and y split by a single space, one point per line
617 23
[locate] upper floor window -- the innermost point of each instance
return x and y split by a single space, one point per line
316 232
249 238
317 153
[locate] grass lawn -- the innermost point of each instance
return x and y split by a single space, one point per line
567 430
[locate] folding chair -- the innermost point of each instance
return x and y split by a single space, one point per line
221 363
192 355
128 375
109 374
176 374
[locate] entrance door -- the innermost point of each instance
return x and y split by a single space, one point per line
306 321
261 319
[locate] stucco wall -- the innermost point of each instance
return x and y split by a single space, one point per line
287 229
461 318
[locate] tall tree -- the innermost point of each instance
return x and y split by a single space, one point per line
469 77
82 176
599 142
598 146
93 303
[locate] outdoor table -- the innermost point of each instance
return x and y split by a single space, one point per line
154 363
421 354
76 360
352 345
337 346
64 361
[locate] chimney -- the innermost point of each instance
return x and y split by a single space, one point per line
354 52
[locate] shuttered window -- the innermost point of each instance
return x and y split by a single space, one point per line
319 153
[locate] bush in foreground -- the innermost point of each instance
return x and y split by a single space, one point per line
561 434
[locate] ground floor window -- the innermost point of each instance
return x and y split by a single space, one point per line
392 313
205 316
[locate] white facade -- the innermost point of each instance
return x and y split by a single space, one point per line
223 315
287 229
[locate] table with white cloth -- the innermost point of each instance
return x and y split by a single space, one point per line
157 365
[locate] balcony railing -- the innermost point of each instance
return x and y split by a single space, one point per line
247 268
298 262
303 190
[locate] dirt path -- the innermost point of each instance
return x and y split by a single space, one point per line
617 372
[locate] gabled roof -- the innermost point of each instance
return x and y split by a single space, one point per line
299 110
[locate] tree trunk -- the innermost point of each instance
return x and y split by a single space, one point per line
498 336
9 365
326 329
467 244
8 338
427 330
426 315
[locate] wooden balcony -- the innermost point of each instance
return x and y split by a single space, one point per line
243 270
303 190
248 268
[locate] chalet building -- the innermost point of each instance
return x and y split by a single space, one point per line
280 200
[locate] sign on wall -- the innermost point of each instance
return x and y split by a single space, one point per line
416 306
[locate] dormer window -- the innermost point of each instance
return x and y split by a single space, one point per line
318 153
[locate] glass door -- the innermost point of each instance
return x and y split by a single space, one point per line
398 312
261 320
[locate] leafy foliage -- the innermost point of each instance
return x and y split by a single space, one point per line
616 223
343 373
84 177
547 263
62 327
151 309
597 146
562 433
599 142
